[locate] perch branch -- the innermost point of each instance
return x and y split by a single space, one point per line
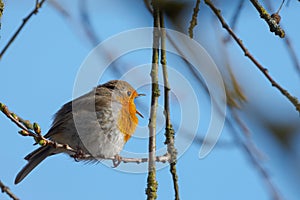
41 140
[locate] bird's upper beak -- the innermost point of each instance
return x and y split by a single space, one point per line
141 95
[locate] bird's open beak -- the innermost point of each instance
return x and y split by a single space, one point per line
137 112
141 95
140 114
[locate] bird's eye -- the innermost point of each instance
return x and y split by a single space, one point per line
128 93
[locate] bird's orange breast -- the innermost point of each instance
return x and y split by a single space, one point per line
127 119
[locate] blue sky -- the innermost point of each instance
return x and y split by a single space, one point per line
39 70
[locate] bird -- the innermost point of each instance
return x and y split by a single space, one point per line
98 123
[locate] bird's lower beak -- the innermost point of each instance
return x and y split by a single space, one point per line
137 112
140 114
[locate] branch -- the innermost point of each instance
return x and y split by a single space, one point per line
148 6
235 18
118 159
59 8
1 9
38 5
246 146
271 21
287 41
169 128
292 53
193 21
151 190
253 155
5 189
1 12
235 99
163 159
26 127
283 91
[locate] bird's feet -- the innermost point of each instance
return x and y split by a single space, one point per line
116 161
78 155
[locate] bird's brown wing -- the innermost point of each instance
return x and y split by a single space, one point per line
101 98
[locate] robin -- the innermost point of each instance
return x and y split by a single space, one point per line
98 123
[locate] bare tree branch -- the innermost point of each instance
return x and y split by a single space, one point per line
5 189
1 9
287 41
253 155
246 143
193 21
283 91
26 127
170 133
271 21
38 5
151 190
235 18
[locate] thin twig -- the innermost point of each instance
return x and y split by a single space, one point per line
246 143
235 18
193 21
253 155
289 45
247 133
38 5
94 39
148 6
198 139
170 133
87 26
151 190
280 6
163 158
59 8
291 98
5 189
273 24
27 132
1 10
292 53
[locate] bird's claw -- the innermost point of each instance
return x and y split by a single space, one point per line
116 161
78 155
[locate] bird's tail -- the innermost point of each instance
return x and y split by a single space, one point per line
34 158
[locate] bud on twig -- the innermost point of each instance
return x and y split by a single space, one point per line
15 116
23 133
36 128
2 106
